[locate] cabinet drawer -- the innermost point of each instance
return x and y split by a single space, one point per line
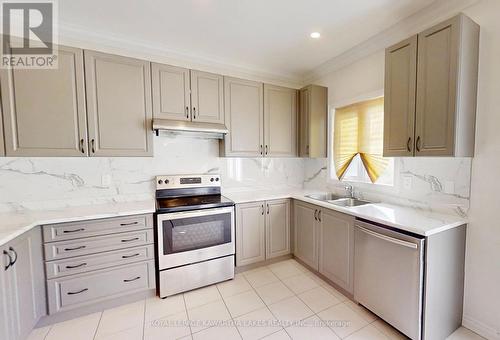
79 290
74 230
65 249
83 264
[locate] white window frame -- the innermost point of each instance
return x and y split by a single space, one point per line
332 176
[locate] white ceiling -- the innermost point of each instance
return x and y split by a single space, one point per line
263 35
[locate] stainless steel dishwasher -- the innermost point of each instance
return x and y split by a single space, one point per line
388 275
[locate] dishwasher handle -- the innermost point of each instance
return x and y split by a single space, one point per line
388 238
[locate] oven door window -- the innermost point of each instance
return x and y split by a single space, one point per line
192 233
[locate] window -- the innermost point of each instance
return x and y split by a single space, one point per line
358 136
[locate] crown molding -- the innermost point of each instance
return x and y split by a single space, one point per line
118 44
415 23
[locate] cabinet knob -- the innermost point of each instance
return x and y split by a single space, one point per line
194 112
187 112
82 143
92 142
15 259
315 214
408 144
417 145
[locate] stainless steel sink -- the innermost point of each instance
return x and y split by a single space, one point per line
349 202
324 197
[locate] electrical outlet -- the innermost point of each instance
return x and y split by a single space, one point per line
106 180
407 182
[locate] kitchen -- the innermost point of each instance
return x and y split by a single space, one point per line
155 139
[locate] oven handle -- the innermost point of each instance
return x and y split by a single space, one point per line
195 213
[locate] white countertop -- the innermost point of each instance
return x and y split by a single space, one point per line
419 222
404 218
16 223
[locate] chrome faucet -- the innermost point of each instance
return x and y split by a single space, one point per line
349 191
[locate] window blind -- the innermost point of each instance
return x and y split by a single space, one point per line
359 129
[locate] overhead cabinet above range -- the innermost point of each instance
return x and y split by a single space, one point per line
186 99
431 91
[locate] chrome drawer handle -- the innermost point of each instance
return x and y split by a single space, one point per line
80 291
76 248
76 266
134 279
131 239
389 239
73 231
130 256
131 223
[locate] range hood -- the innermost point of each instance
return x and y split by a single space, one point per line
204 130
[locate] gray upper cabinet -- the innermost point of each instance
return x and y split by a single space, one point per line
399 104
336 249
280 121
447 88
244 118
313 120
44 110
171 96
23 289
433 75
119 105
207 97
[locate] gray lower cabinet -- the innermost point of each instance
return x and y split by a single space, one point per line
244 115
118 105
280 121
44 110
336 247
89 262
262 231
22 285
306 233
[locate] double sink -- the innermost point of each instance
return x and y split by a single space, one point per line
338 200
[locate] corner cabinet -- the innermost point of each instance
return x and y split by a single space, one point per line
436 73
262 231
22 285
244 115
313 121
118 105
44 110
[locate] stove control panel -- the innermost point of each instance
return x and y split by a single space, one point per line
187 181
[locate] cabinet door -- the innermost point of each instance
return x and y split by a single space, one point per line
280 121
336 248
437 89
306 237
400 91
44 110
171 97
207 97
27 283
304 122
6 313
277 228
119 105
244 118
250 233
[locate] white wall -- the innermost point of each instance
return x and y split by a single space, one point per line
364 78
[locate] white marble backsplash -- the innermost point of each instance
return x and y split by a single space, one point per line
438 184
48 183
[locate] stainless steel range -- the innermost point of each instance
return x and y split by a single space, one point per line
194 233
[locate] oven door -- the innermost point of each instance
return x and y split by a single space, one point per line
194 236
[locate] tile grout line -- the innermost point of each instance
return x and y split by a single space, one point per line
187 314
144 321
231 315
98 324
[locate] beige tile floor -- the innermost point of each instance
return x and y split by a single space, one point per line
281 301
